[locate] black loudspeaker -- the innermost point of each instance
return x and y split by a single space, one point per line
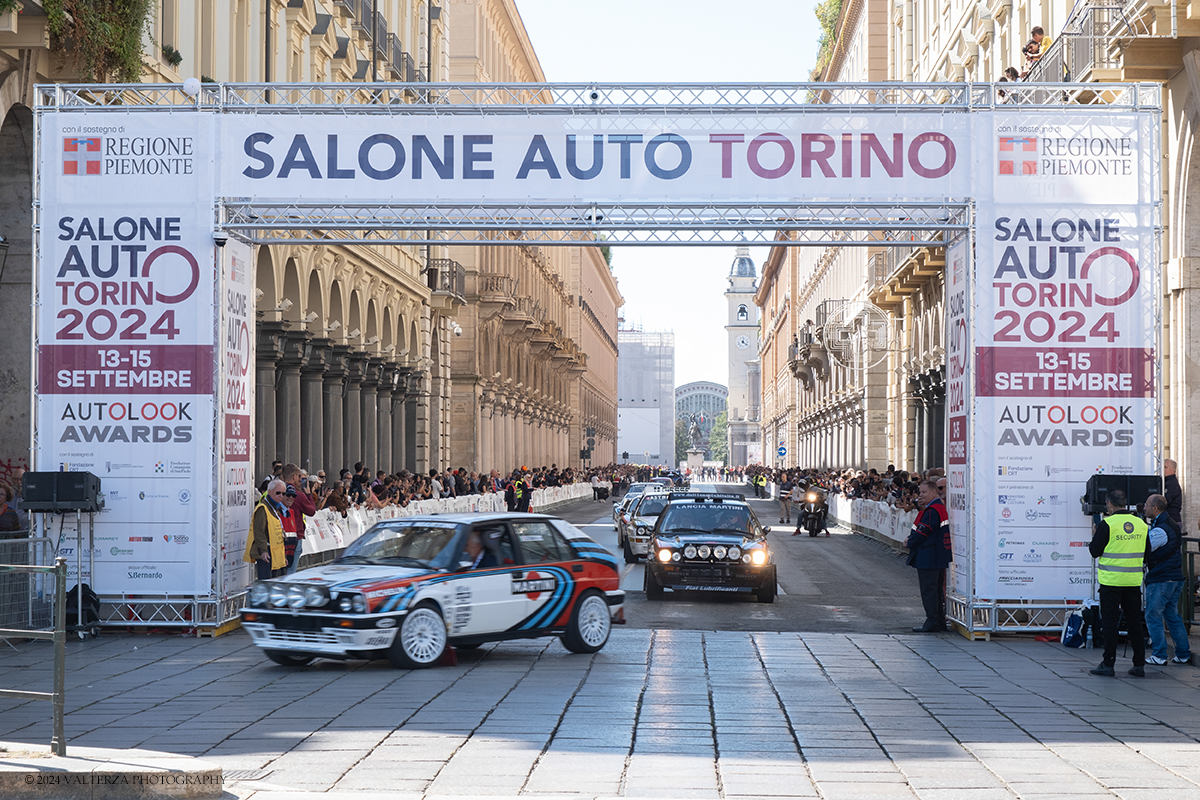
60 491
78 491
37 491
1136 487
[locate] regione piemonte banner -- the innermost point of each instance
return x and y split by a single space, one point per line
1065 380
126 356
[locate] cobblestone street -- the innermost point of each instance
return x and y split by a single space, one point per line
655 714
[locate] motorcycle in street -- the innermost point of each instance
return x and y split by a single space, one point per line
813 512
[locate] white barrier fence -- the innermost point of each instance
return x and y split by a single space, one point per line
328 530
873 518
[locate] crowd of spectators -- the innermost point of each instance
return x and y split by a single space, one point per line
896 487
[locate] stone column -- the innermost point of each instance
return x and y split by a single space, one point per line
383 430
287 397
352 410
484 429
369 395
312 407
268 351
334 385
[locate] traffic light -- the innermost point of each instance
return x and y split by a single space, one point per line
625 456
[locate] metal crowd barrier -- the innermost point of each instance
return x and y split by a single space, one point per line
58 635
1191 554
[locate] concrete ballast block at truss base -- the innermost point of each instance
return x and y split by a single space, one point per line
29 772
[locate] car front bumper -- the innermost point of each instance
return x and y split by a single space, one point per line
325 635
712 576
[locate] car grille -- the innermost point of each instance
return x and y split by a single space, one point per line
298 623
302 637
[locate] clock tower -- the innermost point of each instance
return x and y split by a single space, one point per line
742 330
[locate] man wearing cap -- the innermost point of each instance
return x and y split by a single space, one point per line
302 506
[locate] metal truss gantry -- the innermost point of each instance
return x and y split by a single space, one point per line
707 106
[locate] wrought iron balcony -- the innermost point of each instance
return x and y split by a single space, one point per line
1085 44
448 277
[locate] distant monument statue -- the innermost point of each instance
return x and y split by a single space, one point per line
694 432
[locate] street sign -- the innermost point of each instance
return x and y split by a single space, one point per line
782 451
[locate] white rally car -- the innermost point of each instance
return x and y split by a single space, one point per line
412 586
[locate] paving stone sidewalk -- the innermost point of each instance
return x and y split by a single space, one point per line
679 714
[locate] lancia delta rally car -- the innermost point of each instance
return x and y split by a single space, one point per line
634 526
410 587
709 541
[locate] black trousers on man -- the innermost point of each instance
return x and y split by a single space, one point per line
1114 600
933 596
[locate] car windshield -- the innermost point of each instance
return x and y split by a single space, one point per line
415 544
652 506
715 517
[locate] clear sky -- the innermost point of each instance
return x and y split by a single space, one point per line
675 41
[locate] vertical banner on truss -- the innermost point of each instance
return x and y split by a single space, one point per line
959 395
1065 336
235 427
126 349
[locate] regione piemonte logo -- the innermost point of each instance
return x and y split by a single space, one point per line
1018 155
81 155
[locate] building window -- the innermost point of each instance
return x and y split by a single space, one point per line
742 314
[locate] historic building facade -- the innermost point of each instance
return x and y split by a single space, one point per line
396 356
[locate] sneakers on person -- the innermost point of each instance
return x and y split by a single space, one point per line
1155 660
1137 672
1188 659
1104 669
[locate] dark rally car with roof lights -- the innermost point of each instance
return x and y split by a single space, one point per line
709 541
410 587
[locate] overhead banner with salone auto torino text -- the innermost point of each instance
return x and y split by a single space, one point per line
145 327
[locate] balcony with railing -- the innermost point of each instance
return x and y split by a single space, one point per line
448 282
1113 41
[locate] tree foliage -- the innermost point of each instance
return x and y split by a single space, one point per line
718 438
103 36
828 12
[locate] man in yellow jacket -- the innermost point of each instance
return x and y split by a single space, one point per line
1120 545
264 544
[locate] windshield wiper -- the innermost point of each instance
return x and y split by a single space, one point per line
403 560
739 531
355 560
686 530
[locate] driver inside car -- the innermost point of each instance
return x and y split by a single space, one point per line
732 521
475 554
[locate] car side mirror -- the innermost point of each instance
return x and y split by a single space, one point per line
766 529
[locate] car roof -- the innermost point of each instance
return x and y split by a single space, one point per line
468 518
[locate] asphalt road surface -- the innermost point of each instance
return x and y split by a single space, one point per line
843 583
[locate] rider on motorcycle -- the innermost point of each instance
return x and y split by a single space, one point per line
805 488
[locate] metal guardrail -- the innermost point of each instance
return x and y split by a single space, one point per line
21 605
58 744
1191 554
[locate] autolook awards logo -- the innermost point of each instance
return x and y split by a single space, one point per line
1058 155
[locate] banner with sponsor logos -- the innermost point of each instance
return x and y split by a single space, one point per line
959 396
1065 378
126 352
235 427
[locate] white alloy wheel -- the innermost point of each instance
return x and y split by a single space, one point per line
594 621
422 638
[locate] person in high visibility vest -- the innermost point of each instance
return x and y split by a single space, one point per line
1120 544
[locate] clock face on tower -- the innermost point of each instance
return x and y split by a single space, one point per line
742 342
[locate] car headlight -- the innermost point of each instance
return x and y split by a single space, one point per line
675 556
689 551
260 594
278 595
719 551
704 551
359 603
746 558
344 604
295 597
664 555
758 557
313 596
735 553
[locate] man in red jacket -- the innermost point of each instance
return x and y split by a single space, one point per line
303 504
930 552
